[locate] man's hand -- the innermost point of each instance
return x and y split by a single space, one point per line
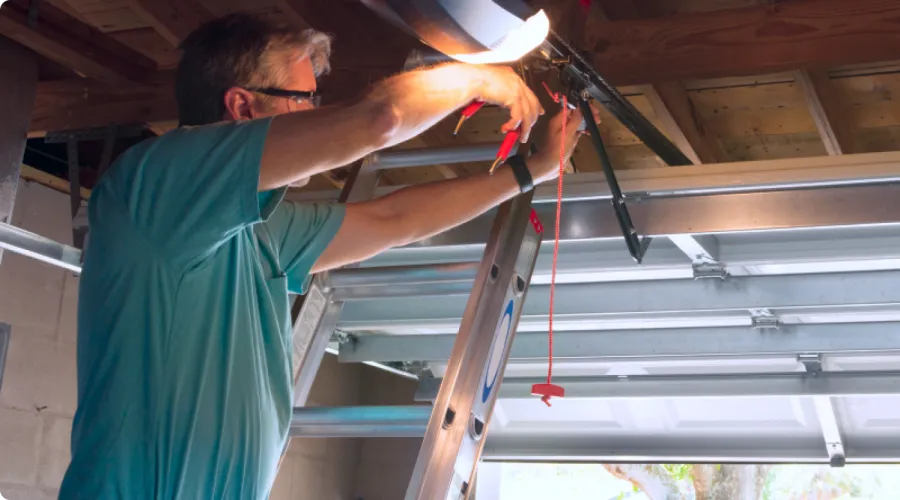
544 164
501 85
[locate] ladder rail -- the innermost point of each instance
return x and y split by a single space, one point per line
453 441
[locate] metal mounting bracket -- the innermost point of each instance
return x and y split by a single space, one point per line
764 319
811 362
706 270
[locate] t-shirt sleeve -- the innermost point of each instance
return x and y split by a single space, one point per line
302 231
193 188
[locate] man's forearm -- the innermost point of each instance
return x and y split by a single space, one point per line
428 209
300 145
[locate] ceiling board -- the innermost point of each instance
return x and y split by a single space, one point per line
873 101
750 111
151 44
873 140
108 15
767 147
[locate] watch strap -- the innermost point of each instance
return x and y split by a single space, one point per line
521 172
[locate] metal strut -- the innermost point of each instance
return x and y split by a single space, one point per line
636 246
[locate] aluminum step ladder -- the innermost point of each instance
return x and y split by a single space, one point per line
454 436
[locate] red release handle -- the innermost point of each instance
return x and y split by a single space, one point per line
547 391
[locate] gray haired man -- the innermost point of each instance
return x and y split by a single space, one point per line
184 346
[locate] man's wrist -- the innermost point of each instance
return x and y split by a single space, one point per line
519 167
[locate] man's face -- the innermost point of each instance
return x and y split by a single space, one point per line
300 77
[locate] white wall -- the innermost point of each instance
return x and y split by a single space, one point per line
38 395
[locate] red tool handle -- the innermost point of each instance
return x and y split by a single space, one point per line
467 113
509 142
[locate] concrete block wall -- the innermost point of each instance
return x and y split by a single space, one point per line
38 395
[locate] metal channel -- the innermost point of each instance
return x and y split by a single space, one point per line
727 213
718 385
656 343
408 421
463 408
601 302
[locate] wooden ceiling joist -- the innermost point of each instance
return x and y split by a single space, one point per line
174 20
829 114
82 48
753 40
82 103
671 103
682 124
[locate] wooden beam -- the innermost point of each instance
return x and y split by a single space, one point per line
83 103
682 124
671 103
753 40
830 116
75 45
51 181
173 19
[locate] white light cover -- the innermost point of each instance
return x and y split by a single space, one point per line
517 43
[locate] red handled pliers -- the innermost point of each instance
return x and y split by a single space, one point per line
509 140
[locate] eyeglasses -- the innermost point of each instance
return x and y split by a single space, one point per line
297 96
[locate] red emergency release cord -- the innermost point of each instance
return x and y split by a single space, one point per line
548 390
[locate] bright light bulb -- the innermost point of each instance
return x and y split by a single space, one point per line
517 43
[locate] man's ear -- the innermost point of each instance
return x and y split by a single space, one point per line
239 104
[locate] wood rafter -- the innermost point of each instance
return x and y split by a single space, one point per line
828 113
671 103
753 40
83 103
174 20
82 48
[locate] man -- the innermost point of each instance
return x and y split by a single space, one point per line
184 345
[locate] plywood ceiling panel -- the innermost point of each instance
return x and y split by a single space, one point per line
108 15
873 101
151 44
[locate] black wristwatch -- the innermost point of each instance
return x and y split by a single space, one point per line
520 170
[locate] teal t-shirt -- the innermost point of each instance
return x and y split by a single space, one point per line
184 331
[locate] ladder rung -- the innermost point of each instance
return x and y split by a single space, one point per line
360 421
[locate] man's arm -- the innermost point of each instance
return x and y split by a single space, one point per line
299 145
417 212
